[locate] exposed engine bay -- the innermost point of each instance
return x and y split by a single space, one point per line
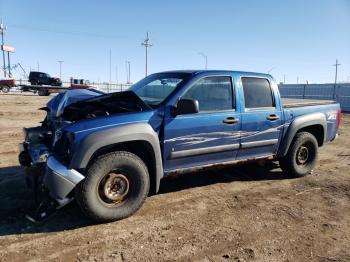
109 104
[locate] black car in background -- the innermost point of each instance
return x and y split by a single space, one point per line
40 78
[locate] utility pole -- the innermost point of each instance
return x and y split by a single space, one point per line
205 58
127 67
336 71
38 66
284 79
60 62
110 70
116 74
3 29
146 44
9 63
129 72
297 79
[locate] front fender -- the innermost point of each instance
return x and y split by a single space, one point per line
119 134
299 123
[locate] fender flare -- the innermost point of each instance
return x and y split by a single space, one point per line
299 123
119 134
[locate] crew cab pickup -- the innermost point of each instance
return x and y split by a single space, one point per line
109 151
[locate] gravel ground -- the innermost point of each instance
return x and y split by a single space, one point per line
245 213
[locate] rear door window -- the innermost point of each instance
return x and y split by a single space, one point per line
257 92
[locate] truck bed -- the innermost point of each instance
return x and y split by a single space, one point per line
293 102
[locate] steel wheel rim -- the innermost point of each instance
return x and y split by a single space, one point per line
113 189
303 154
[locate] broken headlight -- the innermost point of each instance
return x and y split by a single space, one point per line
63 146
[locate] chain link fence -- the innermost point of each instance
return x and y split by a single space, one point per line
104 87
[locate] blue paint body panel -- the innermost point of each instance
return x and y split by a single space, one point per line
201 139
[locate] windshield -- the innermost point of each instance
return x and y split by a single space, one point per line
154 89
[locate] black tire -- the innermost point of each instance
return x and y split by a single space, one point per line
24 159
5 89
132 189
43 92
302 155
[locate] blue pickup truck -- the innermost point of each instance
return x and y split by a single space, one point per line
109 151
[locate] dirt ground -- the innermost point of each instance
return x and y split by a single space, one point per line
246 213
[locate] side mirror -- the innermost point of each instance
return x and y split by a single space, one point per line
186 106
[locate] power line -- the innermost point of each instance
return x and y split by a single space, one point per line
74 33
147 45
272 68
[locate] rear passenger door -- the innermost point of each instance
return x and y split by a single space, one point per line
261 118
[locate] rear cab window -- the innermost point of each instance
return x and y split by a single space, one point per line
257 93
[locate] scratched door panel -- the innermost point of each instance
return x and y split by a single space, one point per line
200 139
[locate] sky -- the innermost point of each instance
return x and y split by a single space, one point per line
296 40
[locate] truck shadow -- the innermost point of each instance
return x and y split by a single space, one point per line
244 172
16 199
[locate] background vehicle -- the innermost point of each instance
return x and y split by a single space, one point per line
41 78
6 85
47 90
111 150
79 84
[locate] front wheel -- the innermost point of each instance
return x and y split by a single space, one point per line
302 155
5 89
115 187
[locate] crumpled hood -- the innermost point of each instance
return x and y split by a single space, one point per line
56 105
104 105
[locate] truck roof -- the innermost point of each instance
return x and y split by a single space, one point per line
219 72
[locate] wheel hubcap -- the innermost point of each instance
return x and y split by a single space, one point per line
302 155
113 188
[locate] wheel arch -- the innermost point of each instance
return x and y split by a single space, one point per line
139 139
315 123
143 149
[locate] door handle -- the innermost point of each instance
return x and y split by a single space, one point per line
272 117
230 120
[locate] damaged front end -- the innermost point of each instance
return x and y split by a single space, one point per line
33 154
47 150
38 142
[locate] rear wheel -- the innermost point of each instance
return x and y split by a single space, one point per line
302 155
115 187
